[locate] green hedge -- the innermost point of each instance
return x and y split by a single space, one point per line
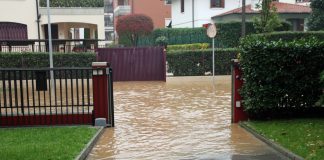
281 78
228 35
194 46
290 35
321 100
73 3
197 62
36 60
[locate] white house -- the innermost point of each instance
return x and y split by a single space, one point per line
195 13
19 20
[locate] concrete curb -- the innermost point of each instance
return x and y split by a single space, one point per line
275 146
85 152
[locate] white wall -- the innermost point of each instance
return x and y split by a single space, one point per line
24 11
203 12
20 11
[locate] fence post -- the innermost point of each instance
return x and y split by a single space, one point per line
238 113
100 92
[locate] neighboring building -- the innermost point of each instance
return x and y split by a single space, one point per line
195 13
19 20
109 20
158 10
295 14
185 15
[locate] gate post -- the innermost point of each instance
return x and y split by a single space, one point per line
101 94
238 113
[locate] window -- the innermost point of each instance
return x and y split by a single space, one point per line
168 1
109 35
217 3
108 20
182 6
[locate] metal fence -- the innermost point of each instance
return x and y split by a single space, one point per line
30 97
44 48
135 64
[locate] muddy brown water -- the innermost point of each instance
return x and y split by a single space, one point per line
184 118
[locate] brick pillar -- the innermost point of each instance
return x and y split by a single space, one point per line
100 90
238 113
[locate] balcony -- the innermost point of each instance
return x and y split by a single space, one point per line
73 11
122 10
73 3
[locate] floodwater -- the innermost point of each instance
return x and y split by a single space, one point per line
184 118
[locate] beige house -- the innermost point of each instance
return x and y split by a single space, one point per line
19 21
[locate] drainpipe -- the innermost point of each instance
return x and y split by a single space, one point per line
132 7
193 13
38 29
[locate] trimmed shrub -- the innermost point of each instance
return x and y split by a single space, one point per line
290 35
321 100
37 60
73 3
195 46
228 35
281 78
162 41
198 62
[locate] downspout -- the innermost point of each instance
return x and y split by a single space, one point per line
132 7
38 29
193 13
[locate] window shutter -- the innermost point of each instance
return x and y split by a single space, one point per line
222 3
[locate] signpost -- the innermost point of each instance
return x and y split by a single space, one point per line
50 45
211 32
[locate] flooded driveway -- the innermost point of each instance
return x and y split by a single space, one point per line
184 118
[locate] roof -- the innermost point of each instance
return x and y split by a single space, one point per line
282 8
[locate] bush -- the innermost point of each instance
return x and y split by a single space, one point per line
281 78
228 35
316 19
132 27
198 62
321 100
37 60
195 46
290 36
73 3
162 41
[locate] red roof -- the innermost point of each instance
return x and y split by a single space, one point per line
281 8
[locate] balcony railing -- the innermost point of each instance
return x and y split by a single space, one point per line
122 10
73 3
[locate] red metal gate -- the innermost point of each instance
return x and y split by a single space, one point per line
135 64
29 97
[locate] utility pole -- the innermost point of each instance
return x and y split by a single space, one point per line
193 13
243 18
38 29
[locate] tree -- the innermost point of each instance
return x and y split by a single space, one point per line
134 26
269 19
316 20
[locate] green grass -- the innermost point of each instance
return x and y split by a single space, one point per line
44 143
304 137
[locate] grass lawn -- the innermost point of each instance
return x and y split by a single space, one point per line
304 137
44 143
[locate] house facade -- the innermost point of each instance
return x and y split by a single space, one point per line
158 10
295 14
194 13
20 21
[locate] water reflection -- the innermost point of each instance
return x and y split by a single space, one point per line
184 118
